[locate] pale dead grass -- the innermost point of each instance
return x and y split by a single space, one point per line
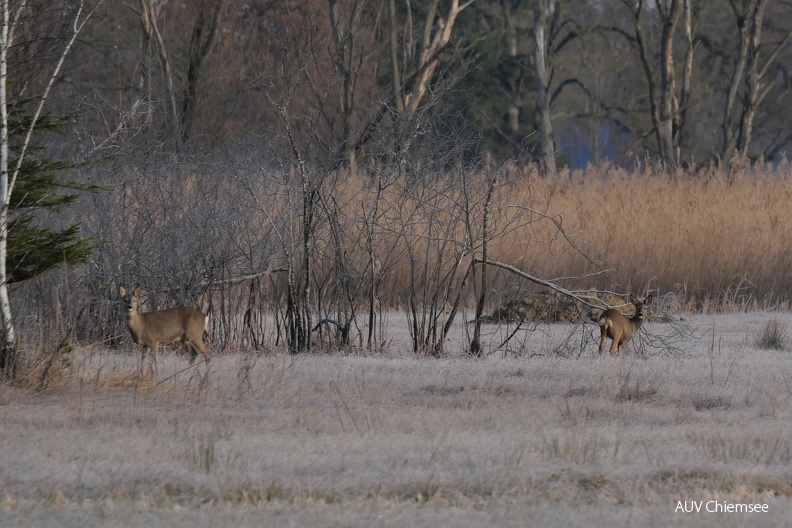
651 231
391 440
654 231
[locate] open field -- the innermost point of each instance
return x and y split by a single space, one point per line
392 440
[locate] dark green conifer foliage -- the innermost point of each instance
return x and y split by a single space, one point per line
42 185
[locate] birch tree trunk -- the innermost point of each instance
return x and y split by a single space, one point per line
740 110
8 175
669 11
544 11
663 101
9 345
727 126
433 42
752 78
511 41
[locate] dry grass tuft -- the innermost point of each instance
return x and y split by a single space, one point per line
773 336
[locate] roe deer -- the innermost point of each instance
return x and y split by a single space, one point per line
176 324
620 329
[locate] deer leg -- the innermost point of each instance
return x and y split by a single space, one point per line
623 346
140 364
147 350
202 347
603 338
142 359
614 345
190 350
153 364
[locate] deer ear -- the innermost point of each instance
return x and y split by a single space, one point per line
648 300
121 291
137 292
633 299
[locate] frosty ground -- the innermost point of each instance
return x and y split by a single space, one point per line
525 435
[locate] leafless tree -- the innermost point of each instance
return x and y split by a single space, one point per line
149 14
749 77
436 34
202 38
346 22
664 101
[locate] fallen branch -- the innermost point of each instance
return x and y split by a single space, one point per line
243 278
537 280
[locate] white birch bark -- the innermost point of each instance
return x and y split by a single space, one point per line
8 350
8 175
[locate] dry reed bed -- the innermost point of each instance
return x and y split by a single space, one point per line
715 236
393 440
703 236
718 238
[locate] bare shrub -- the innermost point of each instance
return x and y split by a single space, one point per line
191 235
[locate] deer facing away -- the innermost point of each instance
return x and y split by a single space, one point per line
167 326
620 329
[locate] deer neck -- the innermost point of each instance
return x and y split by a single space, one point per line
133 322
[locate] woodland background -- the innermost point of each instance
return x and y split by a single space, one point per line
330 177
318 163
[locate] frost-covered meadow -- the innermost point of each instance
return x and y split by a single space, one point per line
394 440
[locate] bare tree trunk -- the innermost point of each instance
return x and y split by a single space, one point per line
374 264
432 44
347 62
144 82
394 57
413 70
756 91
544 10
669 11
751 80
685 91
657 108
309 204
300 304
730 131
199 48
748 73
511 40
8 351
475 343
152 8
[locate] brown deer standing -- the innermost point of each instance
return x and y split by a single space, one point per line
615 326
167 326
